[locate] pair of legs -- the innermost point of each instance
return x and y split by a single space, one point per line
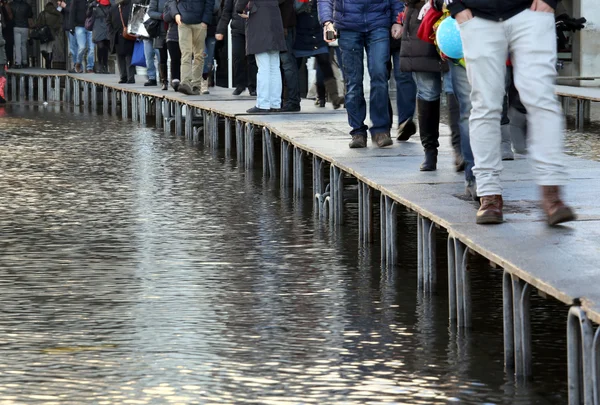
429 90
244 67
103 49
84 43
289 66
46 50
151 54
209 60
126 69
268 81
326 82
377 45
175 54
191 42
21 35
530 39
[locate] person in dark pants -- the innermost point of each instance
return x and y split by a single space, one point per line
364 25
22 19
155 11
7 30
119 17
288 60
100 9
406 95
173 47
244 67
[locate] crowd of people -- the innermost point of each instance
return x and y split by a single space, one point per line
272 38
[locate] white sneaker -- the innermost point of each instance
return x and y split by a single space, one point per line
204 87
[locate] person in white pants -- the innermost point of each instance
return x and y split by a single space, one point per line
490 30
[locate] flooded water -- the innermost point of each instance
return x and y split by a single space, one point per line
137 268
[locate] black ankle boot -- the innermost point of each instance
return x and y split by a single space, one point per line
429 121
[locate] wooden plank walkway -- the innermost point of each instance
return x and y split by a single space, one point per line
562 262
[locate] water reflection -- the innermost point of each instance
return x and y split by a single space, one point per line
137 269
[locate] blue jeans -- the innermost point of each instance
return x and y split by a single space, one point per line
209 54
268 80
84 42
290 70
72 46
447 83
406 90
150 53
429 85
377 45
462 91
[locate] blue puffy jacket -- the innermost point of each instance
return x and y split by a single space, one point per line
193 11
360 15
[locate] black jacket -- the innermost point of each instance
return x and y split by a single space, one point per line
264 30
193 11
288 13
496 10
238 24
118 44
309 32
417 55
77 12
22 12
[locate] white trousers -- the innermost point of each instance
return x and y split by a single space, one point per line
530 39
268 80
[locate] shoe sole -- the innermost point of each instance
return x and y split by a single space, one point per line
489 220
385 143
562 217
427 169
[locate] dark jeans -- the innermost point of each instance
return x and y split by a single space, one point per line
290 70
377 44
406 90
175 54
126 70
7 33
244 67
102 49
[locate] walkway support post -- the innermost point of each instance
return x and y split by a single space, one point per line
388 209
239 141
365 213
580 341
286 152
40 88
517 326
426 254
249 145
298 172
227 136
458 284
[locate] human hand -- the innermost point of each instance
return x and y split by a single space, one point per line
219 37
541 6
397 31
244 16
203 25
328 27
178 19
464 16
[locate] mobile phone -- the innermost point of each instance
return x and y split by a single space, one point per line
330 35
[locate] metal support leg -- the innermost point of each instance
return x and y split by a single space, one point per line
13 88
135 113
68 89
227 136
239 141
113 102
158 112
286 151
94 96
57 89
458 284
427 254
365 213
40 88
188 130
249 153
580 117
206 127
178 118
30 95
142 109
517 325
269 169
86 94
214 129
388 208
596 366
318 185
76 93
105 102
124 105
167 115
580 340
298 172
21 88
49 95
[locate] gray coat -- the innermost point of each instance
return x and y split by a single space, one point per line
101 14
264 30
155 11
417 55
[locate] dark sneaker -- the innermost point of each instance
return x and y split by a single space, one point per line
195 91
175 84
256 110
430 162
132 81
122 81
78 68
382 140
252 93
291 108
358 141
406 129
490 211
238 91
186 89
150 82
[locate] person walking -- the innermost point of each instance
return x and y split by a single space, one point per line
364 25
6 16
244 66
64 8
100 11
22 20
173 47
123 47
209 48
77 13
310 43
53 19
526 28
289 64
192 18
265 40
155 11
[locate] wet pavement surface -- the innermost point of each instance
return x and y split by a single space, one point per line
140 269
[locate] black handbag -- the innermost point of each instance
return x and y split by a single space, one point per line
42 33
152 27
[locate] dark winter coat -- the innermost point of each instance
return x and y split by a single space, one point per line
496 10
360 15
52 18
417 55
238 24
66 19
118 44
264 30
155 11
212 27
22 13
101 14
309 32
77 12
193 11
172 31
288 13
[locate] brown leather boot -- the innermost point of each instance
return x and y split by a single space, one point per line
556 210
490 211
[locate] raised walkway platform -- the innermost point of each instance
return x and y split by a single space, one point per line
562 262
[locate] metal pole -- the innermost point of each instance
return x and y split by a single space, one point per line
40 88
227 136
57 95
158 112
509 331
579 354
30 95
21 88
249 146
94 97
453 310
142 108
113 102
239 141
178 118
124 105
